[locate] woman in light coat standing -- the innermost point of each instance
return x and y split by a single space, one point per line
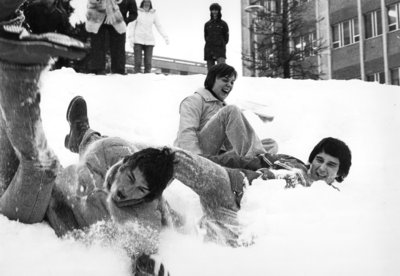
142 36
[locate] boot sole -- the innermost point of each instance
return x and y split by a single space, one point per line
36 52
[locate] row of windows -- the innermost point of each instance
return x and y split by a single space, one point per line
276 5
380 77
395 74
376 77
347 32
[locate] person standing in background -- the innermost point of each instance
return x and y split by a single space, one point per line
142 36
216 35
109 17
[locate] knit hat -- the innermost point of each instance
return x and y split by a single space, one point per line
215 6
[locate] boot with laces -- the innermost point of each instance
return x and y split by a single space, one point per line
78 122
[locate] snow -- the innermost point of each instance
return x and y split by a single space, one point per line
302 231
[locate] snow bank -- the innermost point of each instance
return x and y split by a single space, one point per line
315 231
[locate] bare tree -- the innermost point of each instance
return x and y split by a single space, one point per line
285 43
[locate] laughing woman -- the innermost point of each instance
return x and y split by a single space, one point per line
208 126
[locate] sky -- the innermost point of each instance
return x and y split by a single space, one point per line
303 231
183 21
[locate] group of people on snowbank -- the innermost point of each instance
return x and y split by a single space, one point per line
109 23
118 17
114 18
217 153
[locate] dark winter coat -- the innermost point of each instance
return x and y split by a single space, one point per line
128 10
43 19
216 35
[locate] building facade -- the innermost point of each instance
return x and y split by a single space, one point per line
362 37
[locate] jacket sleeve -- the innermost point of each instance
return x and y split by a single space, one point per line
189 123
205 32
159 28
226 33
133 13
231 160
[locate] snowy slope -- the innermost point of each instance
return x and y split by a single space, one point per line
315 231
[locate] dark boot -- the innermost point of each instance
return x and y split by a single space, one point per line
28 194
18 45
78 122
146 265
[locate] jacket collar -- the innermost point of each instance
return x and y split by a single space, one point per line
150 11
207 96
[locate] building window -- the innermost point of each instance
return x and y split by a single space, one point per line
377 77
305 45
393 16
373 24
345 33
395 76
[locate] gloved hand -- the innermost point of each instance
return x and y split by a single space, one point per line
292 177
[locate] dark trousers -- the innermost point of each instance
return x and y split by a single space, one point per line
211 62
98 52
148 55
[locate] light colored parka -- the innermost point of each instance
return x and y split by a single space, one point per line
195 111
141 30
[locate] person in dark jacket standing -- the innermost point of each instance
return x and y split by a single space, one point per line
216 35
112 17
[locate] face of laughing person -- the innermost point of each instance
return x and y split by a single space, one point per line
324 167
223 86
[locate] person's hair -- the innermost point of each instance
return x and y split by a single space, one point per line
218 71
142 4
215 6
335 148
157 166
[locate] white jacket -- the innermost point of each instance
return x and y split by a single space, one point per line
141 30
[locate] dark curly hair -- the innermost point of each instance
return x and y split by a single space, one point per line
338 149
157 166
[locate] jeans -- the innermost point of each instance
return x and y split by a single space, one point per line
28 166
148 55
230 124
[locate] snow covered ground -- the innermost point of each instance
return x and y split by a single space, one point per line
314 231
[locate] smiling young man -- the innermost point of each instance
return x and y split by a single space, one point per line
329 161
208 125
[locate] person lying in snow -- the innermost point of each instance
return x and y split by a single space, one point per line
29 169
220 188
110 168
